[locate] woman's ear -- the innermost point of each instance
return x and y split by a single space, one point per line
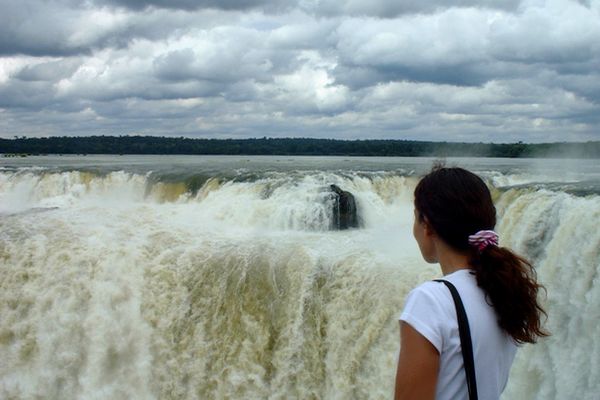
427 226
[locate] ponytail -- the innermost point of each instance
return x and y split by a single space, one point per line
509 282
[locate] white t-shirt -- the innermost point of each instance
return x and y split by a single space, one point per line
430 310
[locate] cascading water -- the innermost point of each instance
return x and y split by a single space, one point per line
128 284
559 232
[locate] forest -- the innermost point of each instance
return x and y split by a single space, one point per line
22 146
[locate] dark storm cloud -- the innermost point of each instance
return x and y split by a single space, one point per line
391 9
59 28
329 8
460 75
29 95
36 28
49 71
41 30
198 4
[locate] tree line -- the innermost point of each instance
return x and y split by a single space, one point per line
290 146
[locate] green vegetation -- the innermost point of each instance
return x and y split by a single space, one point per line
289 146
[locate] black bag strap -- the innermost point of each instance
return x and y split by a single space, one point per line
465 339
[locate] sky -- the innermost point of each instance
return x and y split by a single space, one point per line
464 70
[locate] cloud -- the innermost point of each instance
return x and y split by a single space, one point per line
321 8
51 28
471 71
224 54
448 47
392 9
565 33
59 28
200 4
49 71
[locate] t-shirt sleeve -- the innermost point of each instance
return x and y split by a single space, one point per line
424 312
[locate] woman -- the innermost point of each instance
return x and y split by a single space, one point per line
454 222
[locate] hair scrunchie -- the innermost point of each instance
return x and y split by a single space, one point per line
483 239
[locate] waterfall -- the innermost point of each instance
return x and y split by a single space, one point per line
121 285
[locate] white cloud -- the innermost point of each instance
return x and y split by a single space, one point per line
561 32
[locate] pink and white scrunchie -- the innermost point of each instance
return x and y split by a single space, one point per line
483 239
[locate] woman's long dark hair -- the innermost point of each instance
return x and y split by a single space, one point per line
457 203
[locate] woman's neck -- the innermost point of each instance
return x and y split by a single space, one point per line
451 260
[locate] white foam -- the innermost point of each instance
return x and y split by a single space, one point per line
241 292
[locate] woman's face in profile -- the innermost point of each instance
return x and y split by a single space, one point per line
423 235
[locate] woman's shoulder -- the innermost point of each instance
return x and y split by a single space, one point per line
429 309
430 294
429 288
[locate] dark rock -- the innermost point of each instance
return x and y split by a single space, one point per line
344 209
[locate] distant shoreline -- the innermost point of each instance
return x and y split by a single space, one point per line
132 145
